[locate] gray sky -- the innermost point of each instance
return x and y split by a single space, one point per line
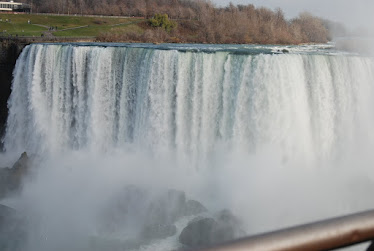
352 13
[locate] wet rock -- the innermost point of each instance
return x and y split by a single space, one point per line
171 206
162 213
5 213
199 232
5 174
150 215
202 232
126 208
98 243
193 207
229 226
11 178
166 208
12 229
157 231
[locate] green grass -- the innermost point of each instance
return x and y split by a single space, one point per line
18 25
94 30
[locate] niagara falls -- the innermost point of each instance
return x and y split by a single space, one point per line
172 125
128 143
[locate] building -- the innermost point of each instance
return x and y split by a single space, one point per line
14 7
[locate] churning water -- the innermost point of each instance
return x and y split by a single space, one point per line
278 138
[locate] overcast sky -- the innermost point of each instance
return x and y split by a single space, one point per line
353 13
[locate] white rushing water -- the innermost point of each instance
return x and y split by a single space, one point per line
97 98
277 138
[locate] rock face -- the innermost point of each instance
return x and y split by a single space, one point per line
203 232
11 178
9 52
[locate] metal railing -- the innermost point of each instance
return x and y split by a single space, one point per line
323 235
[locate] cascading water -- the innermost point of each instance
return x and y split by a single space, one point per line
74 97
242 123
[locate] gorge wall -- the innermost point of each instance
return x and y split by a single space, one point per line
9 52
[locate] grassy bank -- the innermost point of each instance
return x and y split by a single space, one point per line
65 26
247 26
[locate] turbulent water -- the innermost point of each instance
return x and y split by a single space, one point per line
245 128
96 97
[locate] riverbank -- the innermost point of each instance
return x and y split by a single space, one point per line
248 25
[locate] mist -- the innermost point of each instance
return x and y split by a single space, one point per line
66 197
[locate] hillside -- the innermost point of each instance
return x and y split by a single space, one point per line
242 24
65 26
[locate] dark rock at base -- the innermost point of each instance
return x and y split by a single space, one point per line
11 178
165 210
202 232
152 215
22 162
122 209
5 184
199 232
161 215
100 243
229 227
6 212
157 231
193 207
285 51
171 206
12 229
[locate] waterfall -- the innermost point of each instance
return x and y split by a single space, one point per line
278 138
95 97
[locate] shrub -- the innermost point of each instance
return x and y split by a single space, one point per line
162 20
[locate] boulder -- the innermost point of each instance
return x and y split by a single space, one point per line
12 229
193 207
5 177
124 208
202 232
171 206
157 231
166 208
199 232
149 215
5 213
162 213
229 227
11 178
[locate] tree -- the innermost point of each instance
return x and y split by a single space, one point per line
162 20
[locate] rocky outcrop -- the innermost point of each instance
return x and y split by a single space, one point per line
9 52
11 178
165 210
12 229
157 231
203 232
155 215
152 214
